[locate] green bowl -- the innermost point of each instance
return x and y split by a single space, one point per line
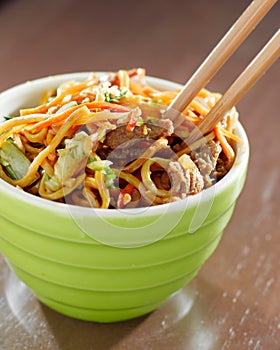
110 265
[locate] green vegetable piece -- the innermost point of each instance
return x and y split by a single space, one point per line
109 97
8 117
110 176
13 160
104 167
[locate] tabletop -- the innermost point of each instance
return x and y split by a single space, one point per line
233 303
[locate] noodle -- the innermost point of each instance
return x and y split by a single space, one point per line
229 152
105 143
155 147
146 176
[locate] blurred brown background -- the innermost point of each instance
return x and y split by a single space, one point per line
169 38
235 297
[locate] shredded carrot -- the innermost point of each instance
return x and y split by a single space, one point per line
231 136
55 119
124 192
57 100
229 124
227 149
199 107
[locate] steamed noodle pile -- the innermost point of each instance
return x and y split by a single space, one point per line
105 143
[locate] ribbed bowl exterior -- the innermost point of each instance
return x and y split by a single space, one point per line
106 294
81 277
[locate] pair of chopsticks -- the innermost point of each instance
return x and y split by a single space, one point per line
220 54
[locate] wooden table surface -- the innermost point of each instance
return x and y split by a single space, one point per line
234 301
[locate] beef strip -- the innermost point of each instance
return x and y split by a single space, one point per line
120 136
122 147
206 158
184 182
122 156
222 168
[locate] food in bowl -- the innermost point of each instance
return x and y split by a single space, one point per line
105 143
109 265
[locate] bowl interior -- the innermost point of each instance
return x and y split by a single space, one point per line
138 226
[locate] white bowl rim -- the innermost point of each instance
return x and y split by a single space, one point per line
241 161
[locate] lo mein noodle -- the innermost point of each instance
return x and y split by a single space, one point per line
105 143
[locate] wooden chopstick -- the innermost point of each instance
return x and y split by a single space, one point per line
239 87
220 54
